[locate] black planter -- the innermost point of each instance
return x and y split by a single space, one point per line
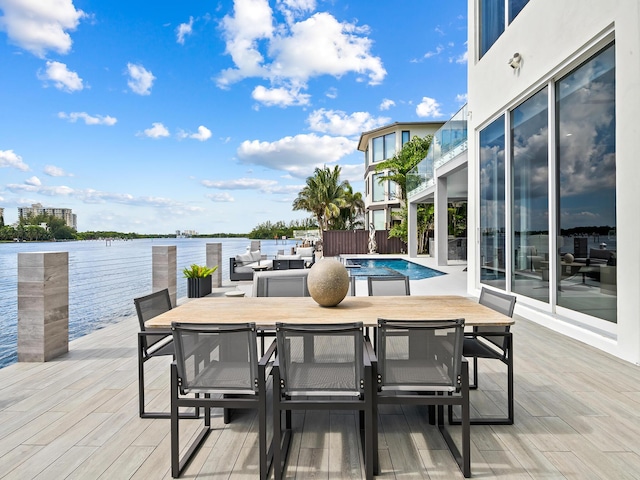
198 287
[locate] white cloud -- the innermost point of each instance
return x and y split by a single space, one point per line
140 79
297 155
35 181
332 93
220 197
462 59
10 159
387 104
251 22
292 53
157 130
281 97
88 119
203 134
62 78
240 184
92 196
461 98
429 107
54 171
432 53
320 45
39 26
337 122
352 173
183 30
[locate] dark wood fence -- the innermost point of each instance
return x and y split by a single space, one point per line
336 242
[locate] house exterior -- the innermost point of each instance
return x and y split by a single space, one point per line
551 165
382 202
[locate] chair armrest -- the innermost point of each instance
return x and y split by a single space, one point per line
370 357
264 363
268 354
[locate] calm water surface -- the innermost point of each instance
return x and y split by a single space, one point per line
105 277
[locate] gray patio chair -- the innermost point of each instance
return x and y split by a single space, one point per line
322 367
158 343
421 363
494 343
219 360
385 286
390 285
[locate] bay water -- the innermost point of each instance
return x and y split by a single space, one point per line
105 277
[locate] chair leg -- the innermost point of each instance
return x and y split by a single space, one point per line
474 383
466 425
178 465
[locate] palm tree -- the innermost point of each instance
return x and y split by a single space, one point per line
351 215
323 196
402 162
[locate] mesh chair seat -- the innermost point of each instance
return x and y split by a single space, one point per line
474 347
232 378
322 379
417 375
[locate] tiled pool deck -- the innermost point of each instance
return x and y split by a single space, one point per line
577 416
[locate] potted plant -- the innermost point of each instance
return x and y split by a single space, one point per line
198 280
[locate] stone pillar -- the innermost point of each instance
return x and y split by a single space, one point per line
164 265
43 305
214 257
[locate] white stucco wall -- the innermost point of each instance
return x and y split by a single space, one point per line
553 37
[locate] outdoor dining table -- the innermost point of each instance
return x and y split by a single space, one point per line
266 311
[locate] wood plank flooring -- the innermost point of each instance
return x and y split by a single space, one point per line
577 417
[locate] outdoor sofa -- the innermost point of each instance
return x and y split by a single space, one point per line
241 266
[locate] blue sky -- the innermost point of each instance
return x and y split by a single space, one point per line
152 117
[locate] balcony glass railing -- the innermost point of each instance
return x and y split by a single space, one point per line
448 142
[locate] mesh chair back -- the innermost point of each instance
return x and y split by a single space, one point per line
320 360
419 355
502 303
388 285
216 358
151 306
285 287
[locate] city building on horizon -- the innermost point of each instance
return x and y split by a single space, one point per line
66 214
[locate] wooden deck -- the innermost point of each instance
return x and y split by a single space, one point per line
577 416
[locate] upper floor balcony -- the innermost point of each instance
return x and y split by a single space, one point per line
448 143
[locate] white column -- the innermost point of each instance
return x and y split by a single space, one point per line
441 212
412 230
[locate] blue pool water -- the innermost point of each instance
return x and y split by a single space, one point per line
390 266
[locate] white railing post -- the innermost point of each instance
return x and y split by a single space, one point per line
164 265
43 305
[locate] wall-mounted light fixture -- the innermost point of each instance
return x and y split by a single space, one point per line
514 62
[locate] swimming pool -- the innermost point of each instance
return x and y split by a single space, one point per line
366 267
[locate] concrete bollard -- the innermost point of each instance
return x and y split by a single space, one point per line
164 265
214 257
43 305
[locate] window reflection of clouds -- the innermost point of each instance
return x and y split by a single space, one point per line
530 164
586 141
586 131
